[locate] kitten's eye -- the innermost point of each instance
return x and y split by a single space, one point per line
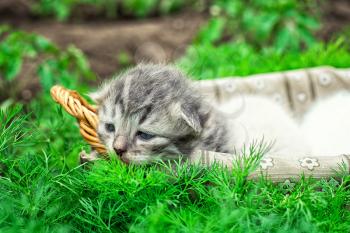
110 127
144 136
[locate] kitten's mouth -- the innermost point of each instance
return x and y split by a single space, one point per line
124 159
135 158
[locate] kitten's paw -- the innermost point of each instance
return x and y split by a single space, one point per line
88 157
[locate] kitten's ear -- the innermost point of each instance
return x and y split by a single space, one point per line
190 115
99 95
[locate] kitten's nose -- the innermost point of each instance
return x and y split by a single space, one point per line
120 145
119 152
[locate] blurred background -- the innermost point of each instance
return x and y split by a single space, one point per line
80 42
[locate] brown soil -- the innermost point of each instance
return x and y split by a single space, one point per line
336 17
152 40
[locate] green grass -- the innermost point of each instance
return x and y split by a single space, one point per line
43 189
207 61
38 194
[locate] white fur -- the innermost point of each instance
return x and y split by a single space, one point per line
256 118
324 130
327 125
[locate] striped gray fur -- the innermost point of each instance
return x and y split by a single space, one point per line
157 101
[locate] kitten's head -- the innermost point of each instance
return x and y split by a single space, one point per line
150 112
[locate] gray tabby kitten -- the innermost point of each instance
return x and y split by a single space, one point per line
152 112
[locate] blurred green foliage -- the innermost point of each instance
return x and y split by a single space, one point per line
124 59
51 64
140 8
345 33
63 9
283 24
15 46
